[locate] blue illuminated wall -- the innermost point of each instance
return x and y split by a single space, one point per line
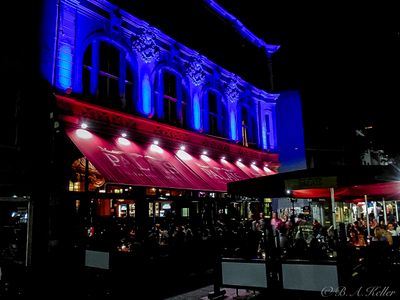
290 133
48 33
72 26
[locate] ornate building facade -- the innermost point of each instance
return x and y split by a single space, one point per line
135 125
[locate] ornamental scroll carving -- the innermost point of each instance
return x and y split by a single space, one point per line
144 44
194 70
232 91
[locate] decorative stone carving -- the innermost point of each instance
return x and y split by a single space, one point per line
144 44
194 70
232 91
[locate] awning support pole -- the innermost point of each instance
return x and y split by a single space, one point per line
332 192
321 212
366 214
397 211
384 210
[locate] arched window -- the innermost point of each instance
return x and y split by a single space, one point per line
212 114
253 132
267 131
245 129
249 127
171 98
107 77
217 118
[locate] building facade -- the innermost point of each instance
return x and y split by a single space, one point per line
142 129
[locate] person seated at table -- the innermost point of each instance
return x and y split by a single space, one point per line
354 239
381 235
390 228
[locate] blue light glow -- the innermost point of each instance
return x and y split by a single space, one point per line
196 112
146 95
246 33
233 126
65 67
264 136
290 134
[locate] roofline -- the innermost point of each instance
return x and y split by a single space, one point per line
245 32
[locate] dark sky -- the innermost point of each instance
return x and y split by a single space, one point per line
344 59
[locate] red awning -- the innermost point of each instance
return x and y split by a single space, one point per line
218 174
348 182
124 162
388 190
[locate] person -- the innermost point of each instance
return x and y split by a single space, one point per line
388 236
390 228
379 235
275 221
354 238
283 239
316 227
299 249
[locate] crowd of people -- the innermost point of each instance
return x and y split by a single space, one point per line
357 232
293 236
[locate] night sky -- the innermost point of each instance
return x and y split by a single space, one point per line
344 59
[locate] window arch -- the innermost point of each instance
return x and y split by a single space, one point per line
268 133
216 115
249 132
107 76
171 98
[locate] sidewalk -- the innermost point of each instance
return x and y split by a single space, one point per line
202 294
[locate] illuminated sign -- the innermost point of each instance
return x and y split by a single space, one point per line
311 182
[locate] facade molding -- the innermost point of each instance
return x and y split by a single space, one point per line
147 50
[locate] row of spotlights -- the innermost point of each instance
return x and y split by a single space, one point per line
156 142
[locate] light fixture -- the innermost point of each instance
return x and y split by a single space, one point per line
205 158
84 125
155 148
205 152
155 142
83 134
183 148
123 134
123 141
183 155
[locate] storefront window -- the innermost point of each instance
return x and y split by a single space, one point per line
14 224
